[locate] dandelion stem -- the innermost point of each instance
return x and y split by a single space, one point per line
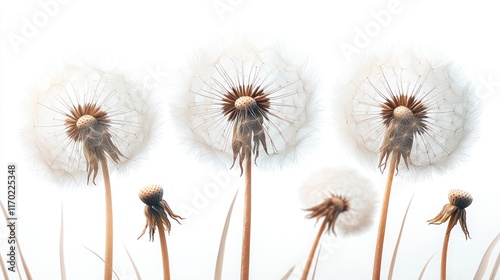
164 252
61 246
247 216
383 220
313 249
444 251
108 255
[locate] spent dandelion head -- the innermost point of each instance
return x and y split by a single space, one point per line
342 196
85 115
157 211
409 106
455 210
246 98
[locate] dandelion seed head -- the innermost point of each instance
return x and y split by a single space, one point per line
83 114
157 211
351 195
151 194
459 198
455 210
245 89
411 105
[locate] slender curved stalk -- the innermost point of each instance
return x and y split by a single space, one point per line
495 268
222 246
383 220
307 267
164 252
136 270
247 217
4 269
108 255
21 255
421 276
61 246
444 251
486 258
396 248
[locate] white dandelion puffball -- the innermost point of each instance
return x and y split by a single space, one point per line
76 97
429 93
260 79
349 185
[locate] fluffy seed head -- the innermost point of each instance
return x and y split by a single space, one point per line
83 116
460 198
342 195
246 97
151 194
408 105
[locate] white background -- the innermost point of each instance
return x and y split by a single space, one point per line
156 36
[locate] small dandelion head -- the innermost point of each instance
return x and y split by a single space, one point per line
329 210
342 196
408 106
246 98
459 198
157 210
84 116
455 210
151 195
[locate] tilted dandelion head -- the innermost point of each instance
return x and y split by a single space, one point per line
329 209
157 211
342 196
85 115
408 105
246 97
455 210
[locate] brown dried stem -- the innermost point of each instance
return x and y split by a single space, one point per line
383 219
108 255
313 249
164 252
444 251
247 216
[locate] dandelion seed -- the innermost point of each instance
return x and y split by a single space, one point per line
347 202
85 118
406 106
453 212
157 214
245 100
